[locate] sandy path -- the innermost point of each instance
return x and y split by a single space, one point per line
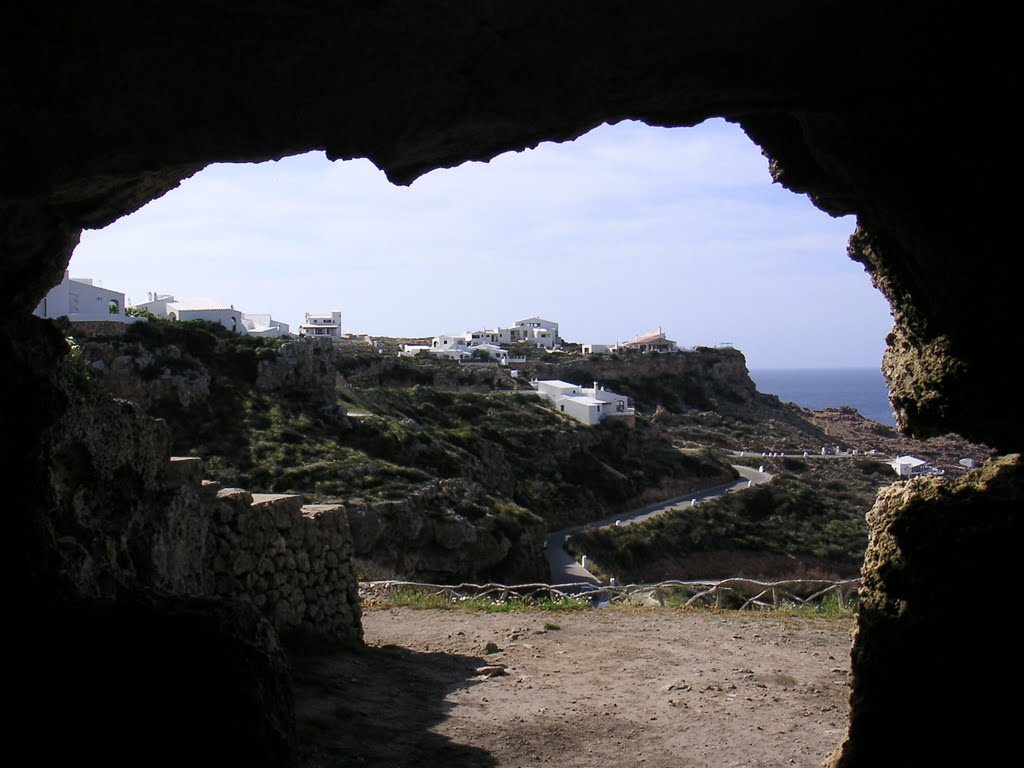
612 687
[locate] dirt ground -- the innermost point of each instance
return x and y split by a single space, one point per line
649 687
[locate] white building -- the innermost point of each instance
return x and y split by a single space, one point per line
493 351
597 349
475 338
263 325
535 330
328 326
81 301
581 408
614 404
654 341
183 310
588 405
911 466
448 342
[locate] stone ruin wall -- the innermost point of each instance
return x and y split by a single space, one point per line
291 560
135 517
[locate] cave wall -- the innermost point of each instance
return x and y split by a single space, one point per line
891 113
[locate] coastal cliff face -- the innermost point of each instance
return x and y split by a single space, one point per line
873 109
702 379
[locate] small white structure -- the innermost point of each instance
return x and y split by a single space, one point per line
911 466
321 326
263 325
414 350
598 349
80 301
211 310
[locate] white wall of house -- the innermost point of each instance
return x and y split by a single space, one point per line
532 330
263 325
448 342
585 409
412 350
79 300
229 318
616 403
211 310
452 353
156 303
597 349
493 351
539 322
475 338
909 466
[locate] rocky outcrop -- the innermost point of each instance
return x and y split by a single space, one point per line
423 536
305 368
929 632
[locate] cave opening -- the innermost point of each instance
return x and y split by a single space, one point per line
604 233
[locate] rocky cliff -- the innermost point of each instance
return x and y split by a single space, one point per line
442 481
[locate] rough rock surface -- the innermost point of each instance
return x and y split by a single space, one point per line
928 631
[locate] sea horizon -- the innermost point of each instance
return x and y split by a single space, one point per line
861 388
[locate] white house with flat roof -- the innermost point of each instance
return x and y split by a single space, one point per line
911 466
263 325
588 405
535 330
581 408
183 310
79 300
322 326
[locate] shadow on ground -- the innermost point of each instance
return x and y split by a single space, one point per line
374 707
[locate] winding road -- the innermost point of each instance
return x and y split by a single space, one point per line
564 568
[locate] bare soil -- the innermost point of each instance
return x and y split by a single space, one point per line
652 687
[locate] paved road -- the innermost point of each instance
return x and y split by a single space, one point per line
565 569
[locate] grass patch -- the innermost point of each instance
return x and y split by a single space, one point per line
415 599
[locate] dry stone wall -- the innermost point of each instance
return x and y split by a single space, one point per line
129 515
292 560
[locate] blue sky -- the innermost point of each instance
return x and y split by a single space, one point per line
625 230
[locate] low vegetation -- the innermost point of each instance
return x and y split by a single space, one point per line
812 514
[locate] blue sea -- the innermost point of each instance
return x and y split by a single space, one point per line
861 388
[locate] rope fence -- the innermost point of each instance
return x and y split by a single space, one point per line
733 593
